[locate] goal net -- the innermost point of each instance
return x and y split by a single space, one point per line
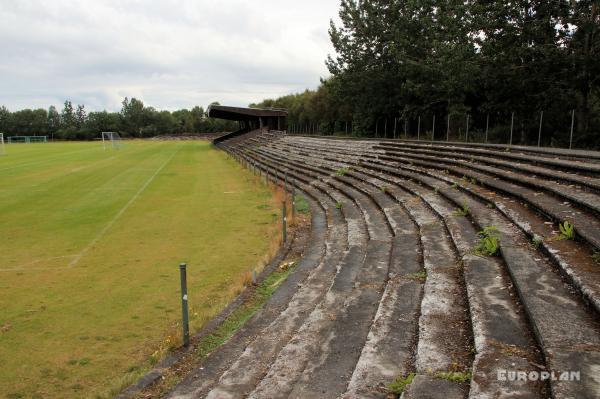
111 139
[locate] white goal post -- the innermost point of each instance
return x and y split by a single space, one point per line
2 149
111 138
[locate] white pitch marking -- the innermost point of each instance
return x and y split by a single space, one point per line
120 213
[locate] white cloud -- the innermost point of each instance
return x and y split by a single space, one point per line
170 54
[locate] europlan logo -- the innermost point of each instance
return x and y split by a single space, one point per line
534 375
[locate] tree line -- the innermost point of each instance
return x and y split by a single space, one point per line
448 67
134 120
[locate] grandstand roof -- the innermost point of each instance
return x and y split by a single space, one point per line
240 113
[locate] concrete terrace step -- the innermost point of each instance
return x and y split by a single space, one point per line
516 344
390 284
576 262
591 328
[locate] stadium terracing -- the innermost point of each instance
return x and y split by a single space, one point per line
458 270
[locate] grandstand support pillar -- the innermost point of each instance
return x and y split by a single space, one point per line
487 127
184 305
419 128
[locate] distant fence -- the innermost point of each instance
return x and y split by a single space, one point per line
542 129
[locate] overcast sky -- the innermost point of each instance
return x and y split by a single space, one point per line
170 53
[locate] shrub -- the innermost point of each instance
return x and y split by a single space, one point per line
567 230
489 242
400 384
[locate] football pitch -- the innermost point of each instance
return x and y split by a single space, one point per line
90 245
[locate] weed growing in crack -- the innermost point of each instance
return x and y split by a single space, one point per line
400 384
385 190
454 376
473 181
455 185
536 241
567 231
421 276
462 211
342 171
338 205
596 256
489 242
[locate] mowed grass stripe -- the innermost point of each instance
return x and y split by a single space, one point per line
42 153
74 332
75 205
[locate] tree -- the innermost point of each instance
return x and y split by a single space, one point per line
132 114
4 119
80 116
53 120
67 116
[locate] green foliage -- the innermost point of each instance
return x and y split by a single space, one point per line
596 256
454 376
536 241
489 242
400 384
342 171
421 276
567 230
338 205
301 204
419 58
462 211
134 120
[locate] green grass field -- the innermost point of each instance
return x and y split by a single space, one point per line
89 252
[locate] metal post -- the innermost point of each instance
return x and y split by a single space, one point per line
376 127
283 223
512 123
540 129
467 131
448 129
293 202
419 129
285 185
572 125
385 129
395 120
184 305
487 126
433 129
405 128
